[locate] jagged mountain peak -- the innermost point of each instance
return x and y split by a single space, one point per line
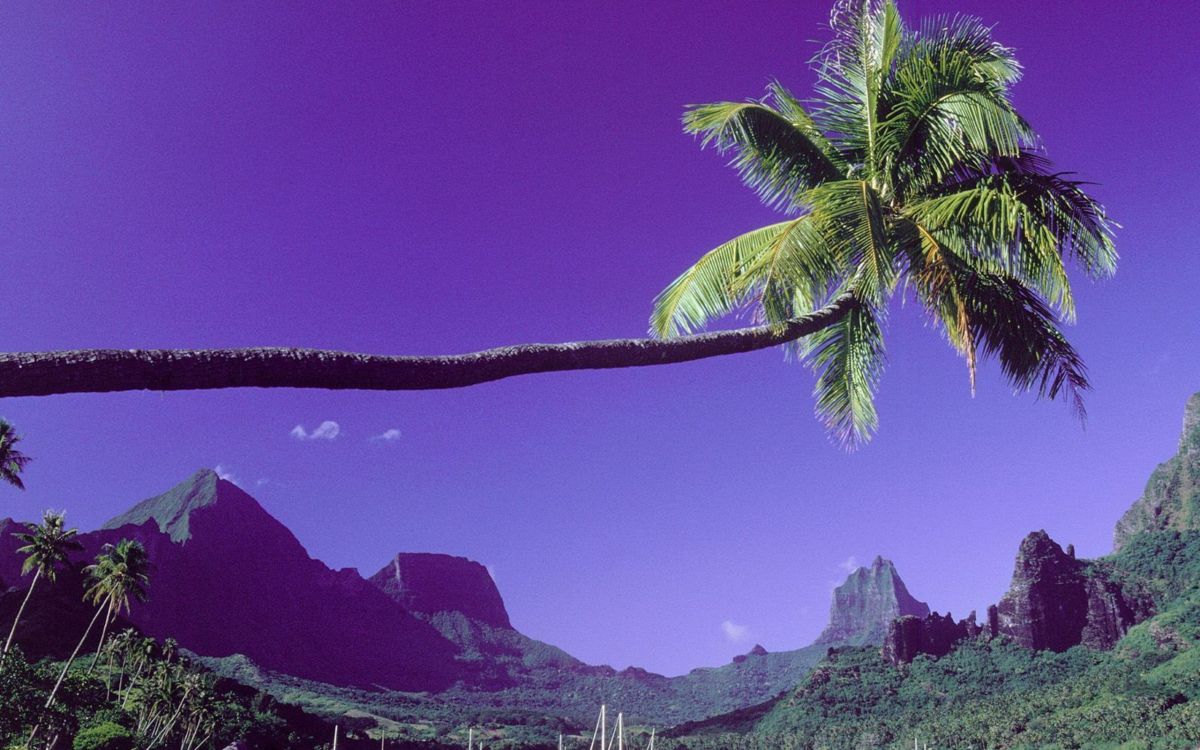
172 511
866 603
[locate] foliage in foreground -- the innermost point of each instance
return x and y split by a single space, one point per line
144 695
909 172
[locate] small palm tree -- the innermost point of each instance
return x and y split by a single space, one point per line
47 546
910 172
12 461
118 577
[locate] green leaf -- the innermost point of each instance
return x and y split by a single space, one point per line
713 287
849 359
778 150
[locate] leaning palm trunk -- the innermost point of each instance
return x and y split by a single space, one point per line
21 610
106 370
63 674
170 722
108 618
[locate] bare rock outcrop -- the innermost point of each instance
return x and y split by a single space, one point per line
934 634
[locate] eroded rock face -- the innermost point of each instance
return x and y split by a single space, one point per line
1171 500
1112 611
934 634
1056 602
1046 606
431 583
865 605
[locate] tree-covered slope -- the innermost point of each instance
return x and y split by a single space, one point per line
1015 683
996 693
1171 500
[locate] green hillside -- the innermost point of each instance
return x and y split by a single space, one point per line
991 693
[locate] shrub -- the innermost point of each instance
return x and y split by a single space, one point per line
106 736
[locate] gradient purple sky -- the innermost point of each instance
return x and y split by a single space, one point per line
438 177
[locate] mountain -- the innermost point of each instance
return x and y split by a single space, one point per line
1171 499
527 681
427 636
1077 653
227 578
866 603
431 583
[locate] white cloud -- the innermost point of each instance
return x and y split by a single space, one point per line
223 472
850 564
733 632
388 435
327 430
261 482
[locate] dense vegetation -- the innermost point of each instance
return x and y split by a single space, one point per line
1143 694
145 695
545 702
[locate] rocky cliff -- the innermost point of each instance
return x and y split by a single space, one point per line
1054 602
430 583
866 603
1171 500
933 634
1046 606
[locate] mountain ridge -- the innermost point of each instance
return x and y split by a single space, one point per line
1077 653
234 586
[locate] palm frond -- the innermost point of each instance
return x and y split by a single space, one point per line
842 81
1010 322
943 108
851 215
930 271
794 274
1081 228
778 150
952 34
711 288
992 220
851 69
849 359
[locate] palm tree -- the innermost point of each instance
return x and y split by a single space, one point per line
119 575
12 461
47 546
910 173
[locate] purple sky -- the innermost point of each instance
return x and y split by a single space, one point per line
434 177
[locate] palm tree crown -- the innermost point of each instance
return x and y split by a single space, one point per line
12 461
909 171
46 549
47 545
119 576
